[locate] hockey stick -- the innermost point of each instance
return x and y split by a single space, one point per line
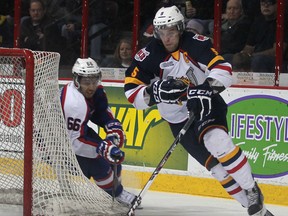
115 181
136 202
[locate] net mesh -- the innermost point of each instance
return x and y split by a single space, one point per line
58 185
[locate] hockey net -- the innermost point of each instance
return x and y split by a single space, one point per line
37 166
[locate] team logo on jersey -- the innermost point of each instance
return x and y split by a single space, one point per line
167 64
200 37
141 55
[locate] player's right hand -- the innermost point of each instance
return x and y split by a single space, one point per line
166 91
200 100
115 133
110 152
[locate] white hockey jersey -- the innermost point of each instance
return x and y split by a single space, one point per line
78 111
154 62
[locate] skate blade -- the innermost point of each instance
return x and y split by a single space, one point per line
139 207
268 213
262 212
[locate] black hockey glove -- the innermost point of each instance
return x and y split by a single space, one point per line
166 91
199 100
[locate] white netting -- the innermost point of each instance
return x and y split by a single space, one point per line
59 187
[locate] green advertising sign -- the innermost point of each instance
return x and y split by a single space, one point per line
259 125
148 135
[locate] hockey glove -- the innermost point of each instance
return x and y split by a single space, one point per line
115 133
166 91
199 100
110 152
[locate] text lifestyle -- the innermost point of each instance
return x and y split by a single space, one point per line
259 127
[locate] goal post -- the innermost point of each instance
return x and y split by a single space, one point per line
38 168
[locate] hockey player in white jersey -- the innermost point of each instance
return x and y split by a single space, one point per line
158 76
83 100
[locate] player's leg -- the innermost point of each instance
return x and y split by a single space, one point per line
229 184
124 196
84 164
233 160
103 174
213 133
200 153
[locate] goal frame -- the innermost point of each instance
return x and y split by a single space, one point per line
40 169
28 136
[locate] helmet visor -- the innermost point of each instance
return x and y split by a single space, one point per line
167 32
89 80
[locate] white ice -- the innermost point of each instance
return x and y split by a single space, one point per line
167 204
164 204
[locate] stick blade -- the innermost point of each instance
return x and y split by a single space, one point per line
136 202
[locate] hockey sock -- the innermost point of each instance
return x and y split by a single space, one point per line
107 184
233 160
229 184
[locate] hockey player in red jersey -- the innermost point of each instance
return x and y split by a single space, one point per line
158 76
85 100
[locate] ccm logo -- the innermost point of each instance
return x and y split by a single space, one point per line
200 92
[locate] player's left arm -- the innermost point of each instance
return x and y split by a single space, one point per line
102 112
219 77
219 74
104 117
217 69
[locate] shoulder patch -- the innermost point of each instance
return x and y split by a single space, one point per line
141 55
200 37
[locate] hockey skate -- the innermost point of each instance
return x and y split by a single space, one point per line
255 202
268 213
126 198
